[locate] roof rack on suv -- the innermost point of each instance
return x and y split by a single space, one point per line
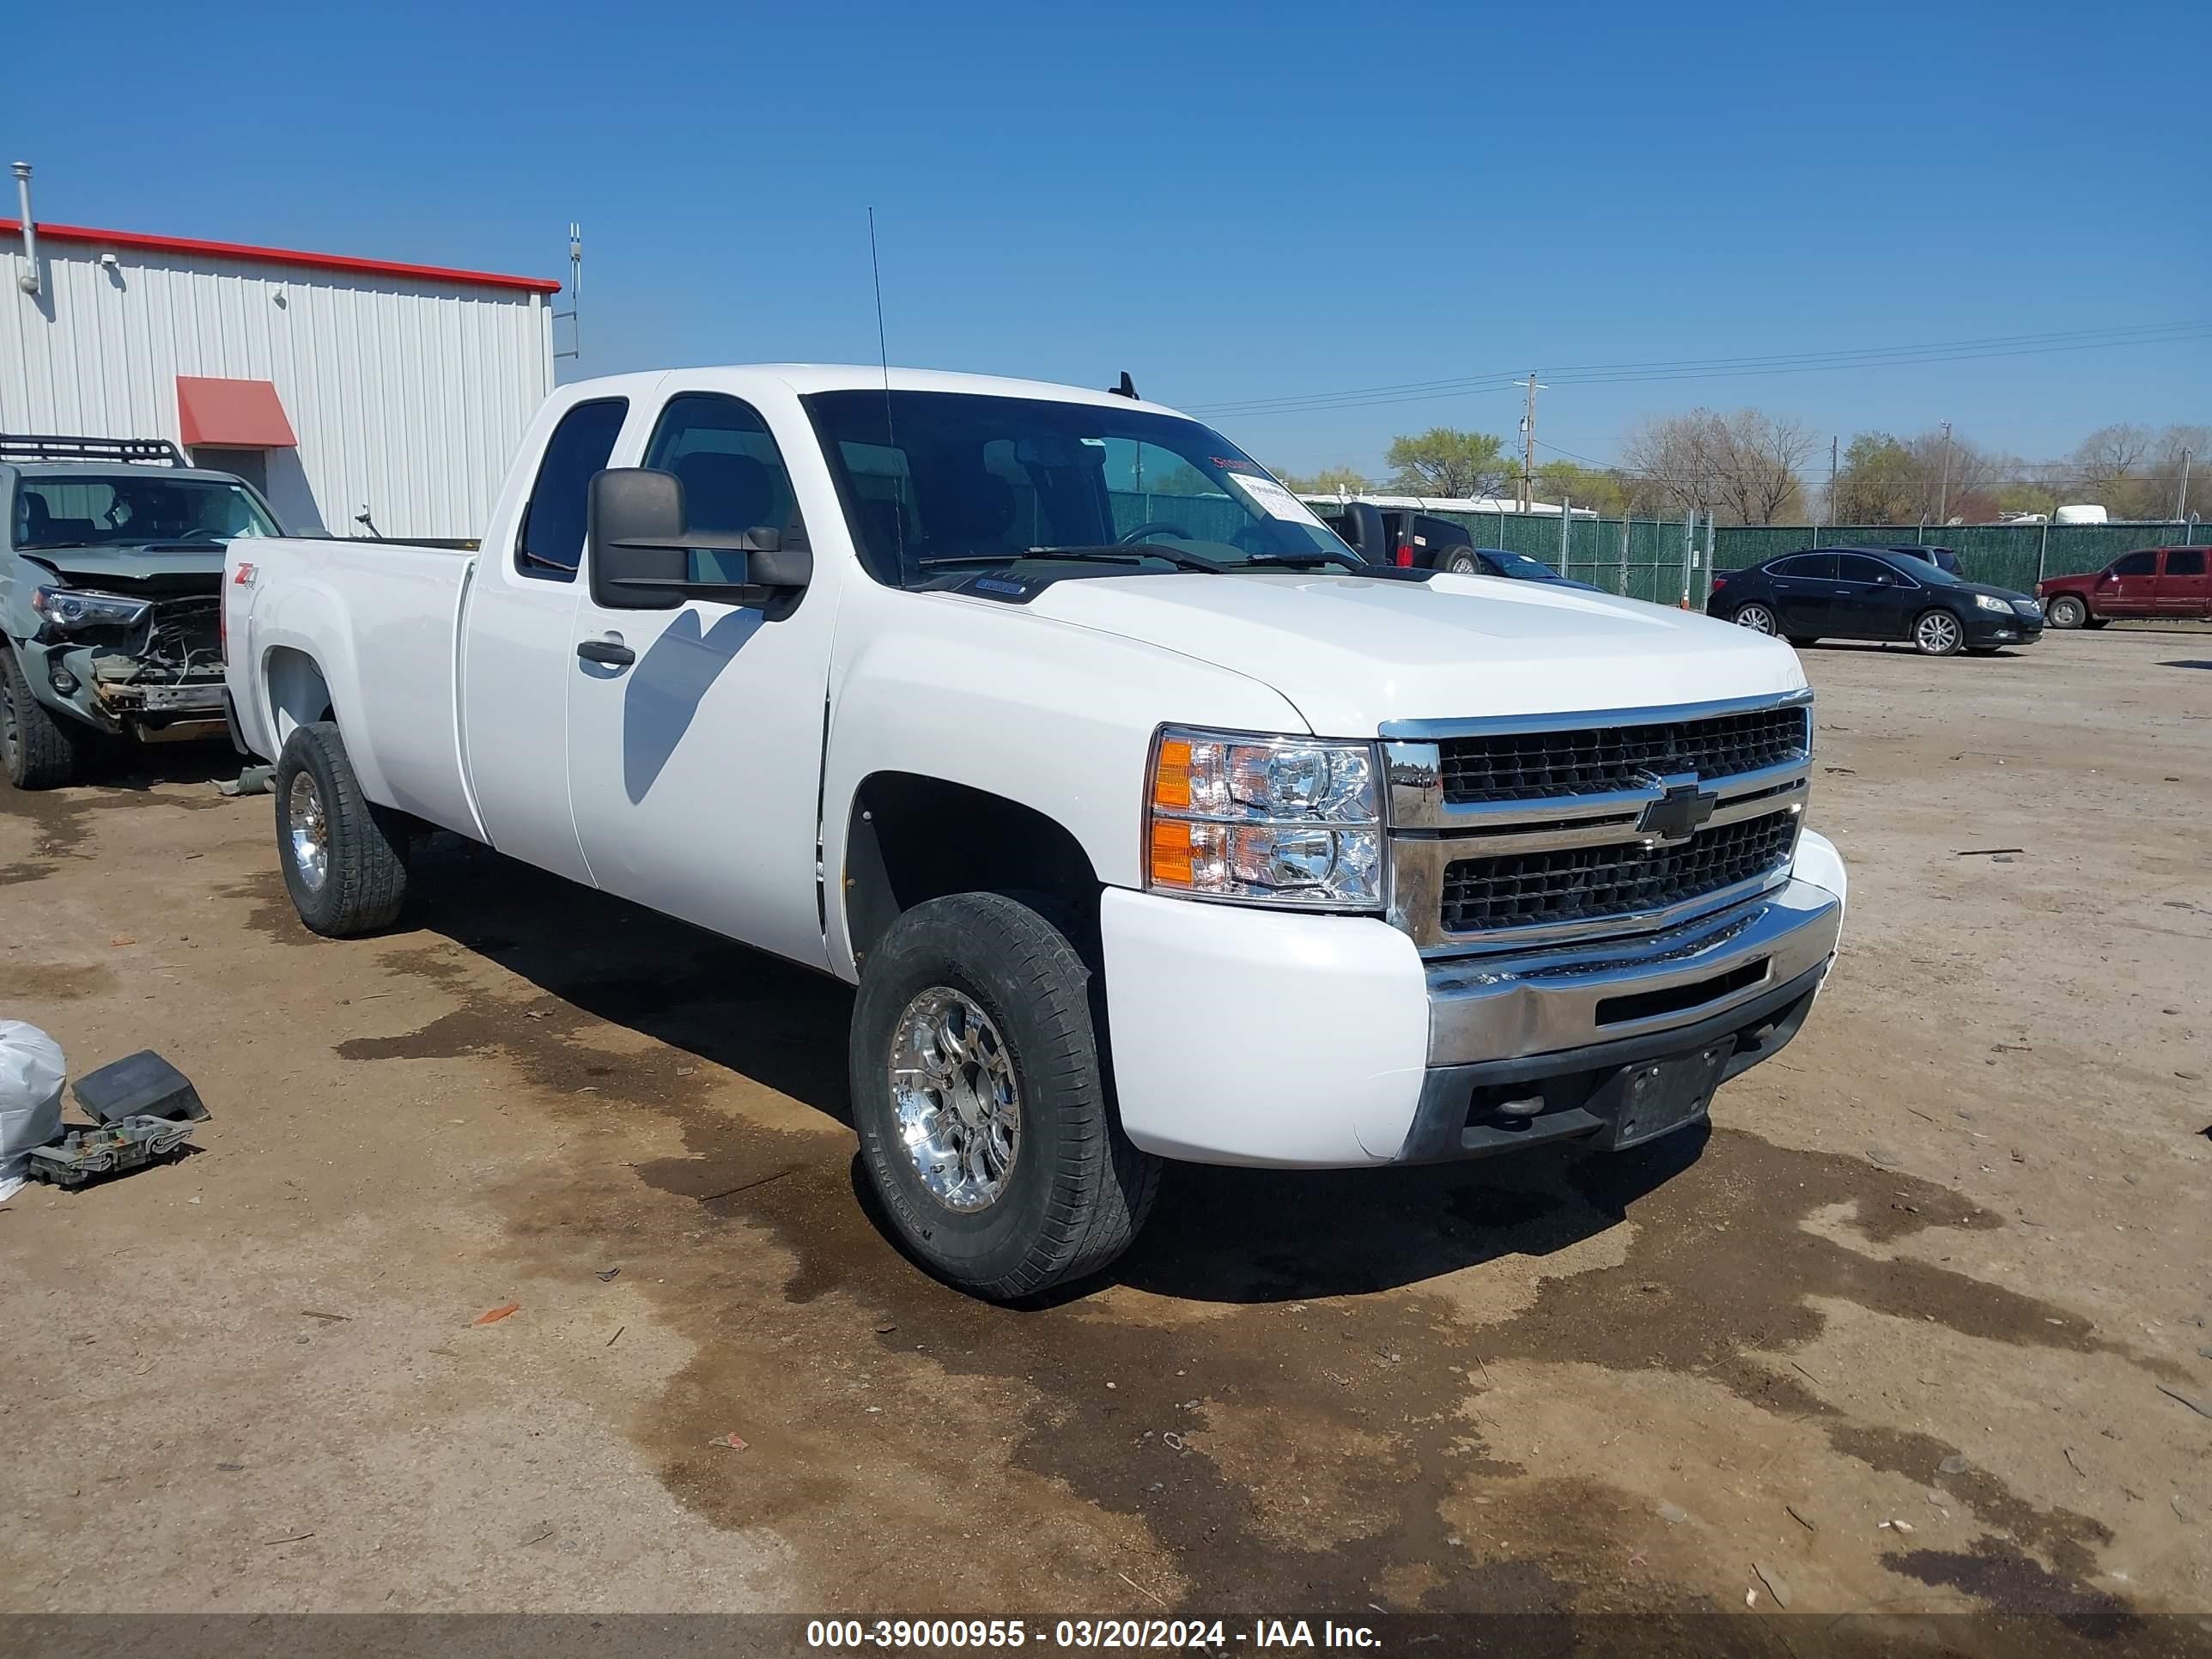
29 447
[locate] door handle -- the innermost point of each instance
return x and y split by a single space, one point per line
613 653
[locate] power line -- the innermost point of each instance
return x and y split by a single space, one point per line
2020 345
2010 471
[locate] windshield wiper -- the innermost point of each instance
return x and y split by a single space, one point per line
1131 553
1295 562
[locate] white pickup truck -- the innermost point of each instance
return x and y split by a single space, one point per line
1194 838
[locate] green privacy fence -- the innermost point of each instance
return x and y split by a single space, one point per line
1643 558
2015 556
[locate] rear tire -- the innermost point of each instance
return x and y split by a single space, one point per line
2067 611
1938 634
981 1100
1460 560
1757 617
344 859
39 750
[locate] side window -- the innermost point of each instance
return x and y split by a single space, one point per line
2185 562
2137 565
551 546
1851 567
734 478
1806 567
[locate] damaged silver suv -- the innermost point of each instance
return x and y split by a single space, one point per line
111 578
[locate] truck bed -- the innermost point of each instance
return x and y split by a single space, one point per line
371 630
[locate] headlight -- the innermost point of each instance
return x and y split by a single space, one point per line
1267 820
68 609
1991 602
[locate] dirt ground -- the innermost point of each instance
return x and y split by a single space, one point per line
1899 1332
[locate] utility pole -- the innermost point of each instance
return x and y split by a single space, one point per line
2181 502
1831 483
1943 499
1529 441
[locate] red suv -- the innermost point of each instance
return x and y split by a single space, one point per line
2151 581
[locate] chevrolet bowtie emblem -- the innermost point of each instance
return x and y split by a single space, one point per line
1676 815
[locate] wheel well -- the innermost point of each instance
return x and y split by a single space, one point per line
911 839
297 693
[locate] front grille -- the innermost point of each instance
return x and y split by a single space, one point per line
1591 884
1599 760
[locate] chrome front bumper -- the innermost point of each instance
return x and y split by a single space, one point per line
1513 1006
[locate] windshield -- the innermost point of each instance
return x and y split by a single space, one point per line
134 509
1520 565
937 485
1934 574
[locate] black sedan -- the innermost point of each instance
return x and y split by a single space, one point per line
1875 593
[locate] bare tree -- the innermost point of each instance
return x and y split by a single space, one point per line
1742 467
2110 466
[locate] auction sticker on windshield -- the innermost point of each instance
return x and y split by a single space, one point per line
1277 502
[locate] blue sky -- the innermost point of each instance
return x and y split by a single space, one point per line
1231 201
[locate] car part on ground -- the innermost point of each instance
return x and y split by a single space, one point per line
84 1155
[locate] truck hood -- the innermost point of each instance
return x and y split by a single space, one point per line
1353 652
98 567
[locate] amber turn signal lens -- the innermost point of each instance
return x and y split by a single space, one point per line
1171 774
1171 852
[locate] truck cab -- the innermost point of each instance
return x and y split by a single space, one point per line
1182 836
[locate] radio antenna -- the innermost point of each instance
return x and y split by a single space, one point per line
884 355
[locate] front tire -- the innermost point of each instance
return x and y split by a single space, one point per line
1756 616
982 1103
39 750
1938 634
2067 611
344 859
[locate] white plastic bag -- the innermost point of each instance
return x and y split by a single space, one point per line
31 1073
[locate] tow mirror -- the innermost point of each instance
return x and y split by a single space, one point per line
643 555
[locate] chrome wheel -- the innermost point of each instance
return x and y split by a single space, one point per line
309 829
1757 618
959 1108
2067 612
1937 634
1462 564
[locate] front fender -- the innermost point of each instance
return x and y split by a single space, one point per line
1054 716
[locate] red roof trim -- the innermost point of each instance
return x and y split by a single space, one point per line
281 256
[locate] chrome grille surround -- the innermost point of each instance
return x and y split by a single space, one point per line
1586 807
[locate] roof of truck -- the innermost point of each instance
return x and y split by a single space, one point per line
805 377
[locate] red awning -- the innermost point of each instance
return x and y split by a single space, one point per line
232 414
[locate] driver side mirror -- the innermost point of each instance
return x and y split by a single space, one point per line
640 550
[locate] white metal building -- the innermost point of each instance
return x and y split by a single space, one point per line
341 386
